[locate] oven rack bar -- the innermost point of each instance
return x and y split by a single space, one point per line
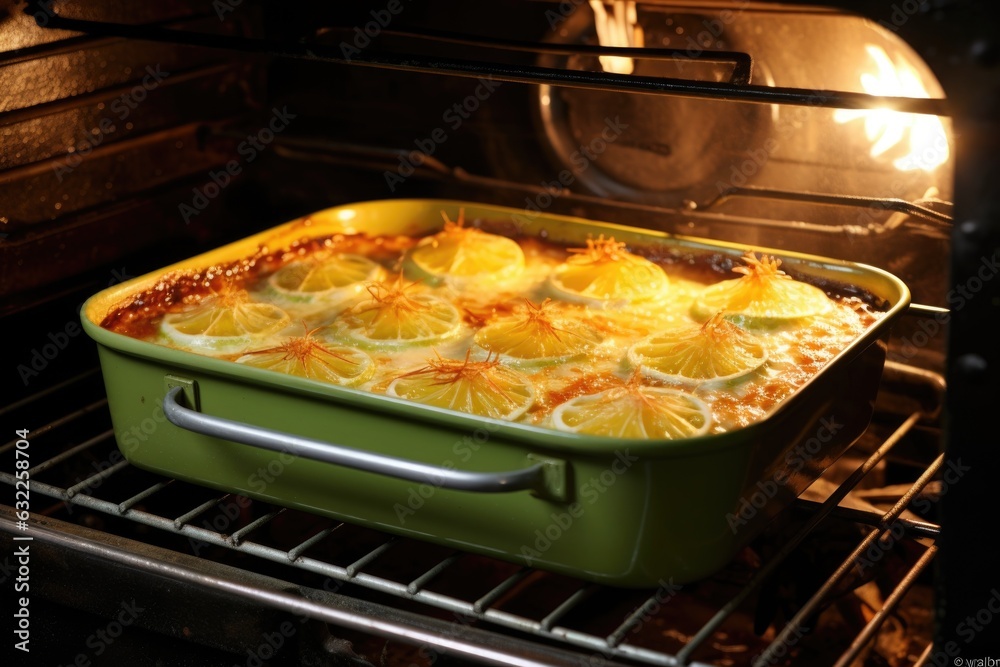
925 657
48 391
855 201
869 632
765 571
62 420
381 158
867 518
352 574
742 62
73 44
851 561
483 609
120 559
512 73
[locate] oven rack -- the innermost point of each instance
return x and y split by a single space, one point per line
547 625
737 89
380 158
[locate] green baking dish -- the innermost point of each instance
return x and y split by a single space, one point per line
622 512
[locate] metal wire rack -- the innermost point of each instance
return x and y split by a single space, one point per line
738 88
135 501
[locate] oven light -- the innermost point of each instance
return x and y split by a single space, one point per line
620 29
887 129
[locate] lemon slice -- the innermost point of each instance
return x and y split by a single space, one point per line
538 336
392 318
460 254
224 324
604 272
483 388
311 359
634 411
307 280
717 351
764 297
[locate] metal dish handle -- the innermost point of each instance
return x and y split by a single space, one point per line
546 477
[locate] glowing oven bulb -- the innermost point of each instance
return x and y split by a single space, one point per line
887 129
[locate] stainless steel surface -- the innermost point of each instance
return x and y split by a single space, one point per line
530 478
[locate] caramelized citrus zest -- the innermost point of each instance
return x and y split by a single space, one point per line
634 381
393 299
604 272
224 322
302 348
716 351
765 268
450 371
540 318
458 225
393 316
600 251
463 253
764 296
757 275
717 328
484 388
537 334
306 357
635 411
324 274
